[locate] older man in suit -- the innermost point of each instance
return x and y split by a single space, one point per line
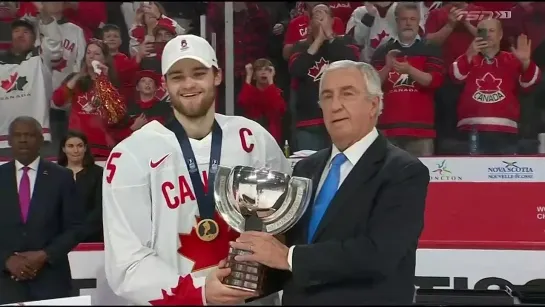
357 242
40 217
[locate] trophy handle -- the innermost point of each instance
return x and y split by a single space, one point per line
246 276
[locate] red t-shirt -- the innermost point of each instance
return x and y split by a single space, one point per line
298 29
459 40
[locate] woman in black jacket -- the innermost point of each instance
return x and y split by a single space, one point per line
75 155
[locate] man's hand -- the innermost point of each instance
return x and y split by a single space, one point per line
144 50
217 293
478 45
402 67
278 29
36 259
20 268
454 16
265 248
523 51
44 10
371 9
390 57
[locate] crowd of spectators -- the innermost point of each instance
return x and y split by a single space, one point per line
458 78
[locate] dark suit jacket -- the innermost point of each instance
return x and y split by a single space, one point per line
53 224
89 188
364 249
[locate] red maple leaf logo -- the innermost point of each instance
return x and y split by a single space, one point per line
60 65
488 84
375 42
184 293
316 71
9 83
207 254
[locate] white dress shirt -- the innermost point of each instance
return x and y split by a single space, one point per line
32 173
353 155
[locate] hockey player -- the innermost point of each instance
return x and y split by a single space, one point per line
157 208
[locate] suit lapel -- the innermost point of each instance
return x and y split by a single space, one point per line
11 192
364 170
316 173
40 191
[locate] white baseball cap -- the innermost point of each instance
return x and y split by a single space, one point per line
188 47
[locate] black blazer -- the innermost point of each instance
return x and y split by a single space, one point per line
89 188
364 249
53 224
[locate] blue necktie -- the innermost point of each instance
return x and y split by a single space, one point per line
326 194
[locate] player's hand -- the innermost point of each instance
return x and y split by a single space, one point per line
217 293
478 45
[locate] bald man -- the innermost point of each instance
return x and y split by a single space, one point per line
492 79
40 217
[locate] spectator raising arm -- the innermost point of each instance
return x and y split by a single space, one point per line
356 27
436 32
51 40
90 16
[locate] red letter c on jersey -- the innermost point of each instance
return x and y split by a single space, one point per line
248 147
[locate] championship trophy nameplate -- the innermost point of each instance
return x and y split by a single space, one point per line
257 199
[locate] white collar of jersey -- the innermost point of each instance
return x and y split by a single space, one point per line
416 39
356 151
32 166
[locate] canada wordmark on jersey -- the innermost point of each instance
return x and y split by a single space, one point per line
153 255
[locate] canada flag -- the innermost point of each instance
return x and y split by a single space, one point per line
316 71
488 89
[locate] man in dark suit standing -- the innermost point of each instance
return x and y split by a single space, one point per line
356 244
40 217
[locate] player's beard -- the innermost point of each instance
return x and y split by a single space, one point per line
194 109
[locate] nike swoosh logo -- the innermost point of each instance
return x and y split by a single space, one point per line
155 164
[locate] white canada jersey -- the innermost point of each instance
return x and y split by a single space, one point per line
153 255
373 36
25 90
73 42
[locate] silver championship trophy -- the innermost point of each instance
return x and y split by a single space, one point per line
257 199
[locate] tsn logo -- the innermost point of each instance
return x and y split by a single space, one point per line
181 188
481 15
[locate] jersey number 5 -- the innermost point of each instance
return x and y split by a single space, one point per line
110 166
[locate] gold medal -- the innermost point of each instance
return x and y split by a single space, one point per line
207 230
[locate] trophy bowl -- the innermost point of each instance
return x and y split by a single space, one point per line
257 199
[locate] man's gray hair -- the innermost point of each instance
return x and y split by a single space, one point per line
411 6
370 74
25 119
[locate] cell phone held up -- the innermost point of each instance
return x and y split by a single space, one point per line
482 33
